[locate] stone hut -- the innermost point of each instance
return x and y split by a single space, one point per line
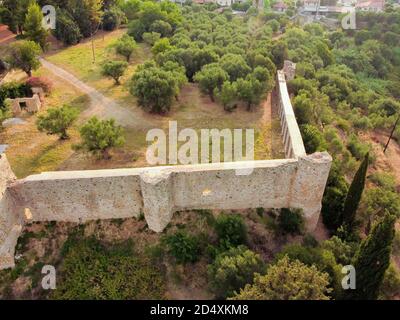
32 104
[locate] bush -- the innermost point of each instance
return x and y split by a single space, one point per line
310 241
113 18
67 30
92 271
114 69
334 197
343 251
233 269
231 230
136 29
57 121
5 113
291 221
323 259
384 180
357 148
183 247
40 82
100 136
288 280
390 287
312 138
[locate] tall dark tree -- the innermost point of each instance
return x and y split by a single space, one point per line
372 260
354 194
33 26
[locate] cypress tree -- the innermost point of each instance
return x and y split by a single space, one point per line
354 194
34 30
372 259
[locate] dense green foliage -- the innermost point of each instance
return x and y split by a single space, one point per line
372 260
57 121
91 270
183 247
67 30
231 230
288 280
291 221
34 30
217 51
233 269
354 194
99 136
323 259
114 69
24 55
155 88
125 46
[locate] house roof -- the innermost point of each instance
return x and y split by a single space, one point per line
371 4
280 5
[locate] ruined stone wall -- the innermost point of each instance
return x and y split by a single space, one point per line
78 196
292 139
10 222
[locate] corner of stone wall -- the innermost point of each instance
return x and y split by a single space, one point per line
158 203
10 222
309 186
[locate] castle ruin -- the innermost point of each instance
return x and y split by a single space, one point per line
78 196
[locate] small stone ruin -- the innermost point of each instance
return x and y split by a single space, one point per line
29 104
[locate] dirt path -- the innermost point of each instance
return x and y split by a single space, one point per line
100 106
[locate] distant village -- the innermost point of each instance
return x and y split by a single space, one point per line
308 6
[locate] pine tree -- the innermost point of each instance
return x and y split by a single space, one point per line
33 26
372 259
354 194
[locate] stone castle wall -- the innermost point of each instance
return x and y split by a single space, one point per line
296 182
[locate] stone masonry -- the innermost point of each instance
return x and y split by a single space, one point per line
78 196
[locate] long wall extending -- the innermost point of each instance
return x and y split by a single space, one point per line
296 182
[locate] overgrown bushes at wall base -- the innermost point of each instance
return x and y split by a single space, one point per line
233 269
92 271
231 230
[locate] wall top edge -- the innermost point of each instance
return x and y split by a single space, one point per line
89 174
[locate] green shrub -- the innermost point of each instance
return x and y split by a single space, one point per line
310 241
233 269
312 138
283 282
291 221
384 180
390 286
231 230
93 271
323 259
343 251
357 148
183 247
